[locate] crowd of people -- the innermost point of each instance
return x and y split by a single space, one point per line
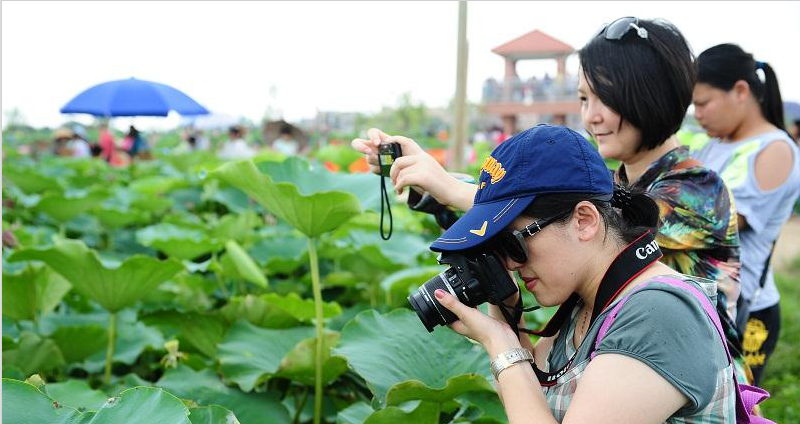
75 142
530 90
661 269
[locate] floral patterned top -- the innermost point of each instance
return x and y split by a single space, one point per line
698 233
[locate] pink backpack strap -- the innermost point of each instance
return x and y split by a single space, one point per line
747 397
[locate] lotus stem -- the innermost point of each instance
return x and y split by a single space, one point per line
315 284
112 323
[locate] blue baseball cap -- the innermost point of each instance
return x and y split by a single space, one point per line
539 160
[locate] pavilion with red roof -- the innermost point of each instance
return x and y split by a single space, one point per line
558 101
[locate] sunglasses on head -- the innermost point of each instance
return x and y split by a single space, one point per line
511 243
617 29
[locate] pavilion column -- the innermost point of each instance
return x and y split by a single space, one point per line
510 124
510 79
562 66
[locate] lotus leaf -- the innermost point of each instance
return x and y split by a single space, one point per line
157 185
401 361
177 242
35 291
79 342
399 284
341 155
142 405
301 309
205 388
489 405
200 331
213 414
33 354
249 354
409 412
257 311
76 394
299 364
23 403
115 217
312 214
356 413
64 207
238 263
313 178
235 226
280 254
131 340
29 180
113 288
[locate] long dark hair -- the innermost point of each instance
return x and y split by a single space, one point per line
723 65
647 81
638 214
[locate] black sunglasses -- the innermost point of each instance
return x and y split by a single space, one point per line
617 29
511 244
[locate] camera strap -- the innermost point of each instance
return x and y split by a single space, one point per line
385 199
629 263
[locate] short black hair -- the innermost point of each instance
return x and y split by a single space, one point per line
647 81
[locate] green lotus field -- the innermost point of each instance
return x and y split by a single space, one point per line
189 290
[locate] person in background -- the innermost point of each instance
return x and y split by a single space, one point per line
107 143
285 143
236 147
738 102
61 139
79 146
135 144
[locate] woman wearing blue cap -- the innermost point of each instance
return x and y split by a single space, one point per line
547 205
738 102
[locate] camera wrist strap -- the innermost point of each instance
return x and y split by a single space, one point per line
385 198
629 263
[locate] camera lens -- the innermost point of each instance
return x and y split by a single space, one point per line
429 310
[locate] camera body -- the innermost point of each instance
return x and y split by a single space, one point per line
474 277
387 153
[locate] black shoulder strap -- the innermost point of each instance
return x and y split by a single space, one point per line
763 279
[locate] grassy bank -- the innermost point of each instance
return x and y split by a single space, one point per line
782 377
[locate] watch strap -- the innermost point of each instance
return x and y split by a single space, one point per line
509 358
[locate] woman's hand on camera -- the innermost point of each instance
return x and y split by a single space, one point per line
369 147
417 168
495 335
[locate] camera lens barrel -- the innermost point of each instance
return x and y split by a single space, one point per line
429 310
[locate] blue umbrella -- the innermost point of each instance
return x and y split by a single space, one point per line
133 97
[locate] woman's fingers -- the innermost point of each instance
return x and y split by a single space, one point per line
454 305
376 136
408 146
363 146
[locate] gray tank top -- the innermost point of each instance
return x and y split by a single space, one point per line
765 211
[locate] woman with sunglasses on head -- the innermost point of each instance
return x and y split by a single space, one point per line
635 86
617 349
738 102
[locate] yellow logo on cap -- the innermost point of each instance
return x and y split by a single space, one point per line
480 232
494 168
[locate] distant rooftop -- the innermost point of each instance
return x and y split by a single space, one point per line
534 45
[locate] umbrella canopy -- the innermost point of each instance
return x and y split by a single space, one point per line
272 130
133 97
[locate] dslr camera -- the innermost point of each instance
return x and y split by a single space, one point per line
474 277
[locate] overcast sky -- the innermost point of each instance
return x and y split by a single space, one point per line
301 57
